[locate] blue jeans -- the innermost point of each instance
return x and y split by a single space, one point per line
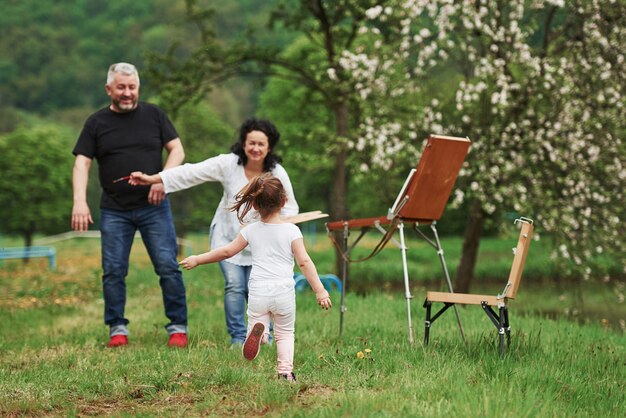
235 298
156 226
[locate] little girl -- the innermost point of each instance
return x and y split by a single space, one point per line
273 244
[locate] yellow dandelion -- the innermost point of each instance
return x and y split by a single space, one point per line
367 351
360 354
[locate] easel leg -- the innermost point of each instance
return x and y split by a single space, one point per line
427 323
407 291
507 326
344 275
501 332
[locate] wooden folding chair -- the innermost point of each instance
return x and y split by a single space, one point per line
487 302
421 201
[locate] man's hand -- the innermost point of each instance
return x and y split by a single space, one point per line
81 216
156 194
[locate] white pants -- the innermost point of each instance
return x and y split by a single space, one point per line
282 309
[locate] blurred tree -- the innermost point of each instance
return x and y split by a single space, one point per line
302 120
537 85
307 128
539 90
541 93
35 186
54 53
9 119
331 29
204 135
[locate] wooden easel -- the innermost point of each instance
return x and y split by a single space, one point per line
421 201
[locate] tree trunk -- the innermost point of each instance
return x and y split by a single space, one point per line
28 241
471 242
338 203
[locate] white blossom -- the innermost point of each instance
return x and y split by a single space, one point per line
374 12
546 126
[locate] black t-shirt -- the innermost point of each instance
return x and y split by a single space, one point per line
123 143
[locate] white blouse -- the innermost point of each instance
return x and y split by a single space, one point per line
224 169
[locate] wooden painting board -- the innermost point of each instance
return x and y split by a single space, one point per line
434 178
305 217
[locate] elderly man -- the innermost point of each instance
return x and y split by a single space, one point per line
123 137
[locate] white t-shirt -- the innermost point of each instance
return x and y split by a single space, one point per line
224 169
272 257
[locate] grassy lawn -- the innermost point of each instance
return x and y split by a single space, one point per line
53 359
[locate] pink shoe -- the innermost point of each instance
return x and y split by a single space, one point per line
178 339
118 341
250 348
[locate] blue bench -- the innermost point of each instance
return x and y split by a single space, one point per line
30 252
328 280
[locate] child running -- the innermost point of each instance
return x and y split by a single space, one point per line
273 244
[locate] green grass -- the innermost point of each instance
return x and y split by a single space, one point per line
53 359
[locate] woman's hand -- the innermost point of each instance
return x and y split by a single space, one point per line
189 262
323 299
137 178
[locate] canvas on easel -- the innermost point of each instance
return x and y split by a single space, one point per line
305 217
434 178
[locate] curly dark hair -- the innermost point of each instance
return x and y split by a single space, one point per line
268 129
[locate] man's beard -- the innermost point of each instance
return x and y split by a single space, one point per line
125 107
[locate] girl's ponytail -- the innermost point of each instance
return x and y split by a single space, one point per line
265 193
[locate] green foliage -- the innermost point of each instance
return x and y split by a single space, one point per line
9 119
309 143
205 62
35 187
204 135
562 119
304 124
56 53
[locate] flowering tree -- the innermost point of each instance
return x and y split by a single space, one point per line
538 86
539 90
322 65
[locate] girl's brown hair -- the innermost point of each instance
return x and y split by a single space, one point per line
265 193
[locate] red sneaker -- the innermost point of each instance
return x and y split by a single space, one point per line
178 339
250 348
118 341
